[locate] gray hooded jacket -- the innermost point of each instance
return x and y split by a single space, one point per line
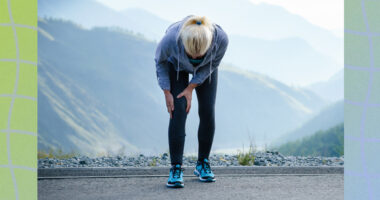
171 50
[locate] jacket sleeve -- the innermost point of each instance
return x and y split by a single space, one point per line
162 65
204 72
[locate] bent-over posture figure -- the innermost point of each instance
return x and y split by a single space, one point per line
193 45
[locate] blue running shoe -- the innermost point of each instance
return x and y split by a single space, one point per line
203 171
175 179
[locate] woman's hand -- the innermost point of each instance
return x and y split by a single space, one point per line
187 93
169 102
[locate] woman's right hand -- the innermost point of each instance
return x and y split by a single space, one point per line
169 102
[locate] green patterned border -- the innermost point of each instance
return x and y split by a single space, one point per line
362 99
18 99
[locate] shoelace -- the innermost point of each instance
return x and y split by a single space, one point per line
206 167
177 172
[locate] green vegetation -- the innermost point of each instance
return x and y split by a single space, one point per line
247 158
325 119
153 162
194 158
322 143
56 153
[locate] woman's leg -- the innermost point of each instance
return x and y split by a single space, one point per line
178 121
206 94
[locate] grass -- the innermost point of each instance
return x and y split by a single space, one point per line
59 154
247 158
103 154
193 158
153 163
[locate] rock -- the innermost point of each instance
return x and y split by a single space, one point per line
266 158
256 162
82 162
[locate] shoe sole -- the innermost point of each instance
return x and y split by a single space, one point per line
175 185
209 179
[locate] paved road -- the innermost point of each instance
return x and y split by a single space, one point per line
254 186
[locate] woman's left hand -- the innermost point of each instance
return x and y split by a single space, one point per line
188 93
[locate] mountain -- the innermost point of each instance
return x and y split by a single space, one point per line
326 118
327 143
290 60
90 13
332 89
98 92
148 24
263 38
259 103
72 119
97 62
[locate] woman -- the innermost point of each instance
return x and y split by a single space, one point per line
193 45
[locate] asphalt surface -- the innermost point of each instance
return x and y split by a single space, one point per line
293 184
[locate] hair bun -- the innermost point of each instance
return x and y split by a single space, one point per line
196 34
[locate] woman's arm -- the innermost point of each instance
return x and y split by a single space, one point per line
162 71
162 65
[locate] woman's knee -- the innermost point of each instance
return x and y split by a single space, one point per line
179 107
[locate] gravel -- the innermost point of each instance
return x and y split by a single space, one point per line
268 158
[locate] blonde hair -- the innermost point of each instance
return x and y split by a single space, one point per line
196 34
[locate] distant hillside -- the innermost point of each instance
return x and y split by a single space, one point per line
332 89
281 58
323 143
98 92
328 117
71 119
86 90
90 13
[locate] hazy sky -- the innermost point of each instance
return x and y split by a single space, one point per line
328 14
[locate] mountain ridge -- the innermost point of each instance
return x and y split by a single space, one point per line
326 118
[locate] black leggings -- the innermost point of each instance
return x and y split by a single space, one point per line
206 94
